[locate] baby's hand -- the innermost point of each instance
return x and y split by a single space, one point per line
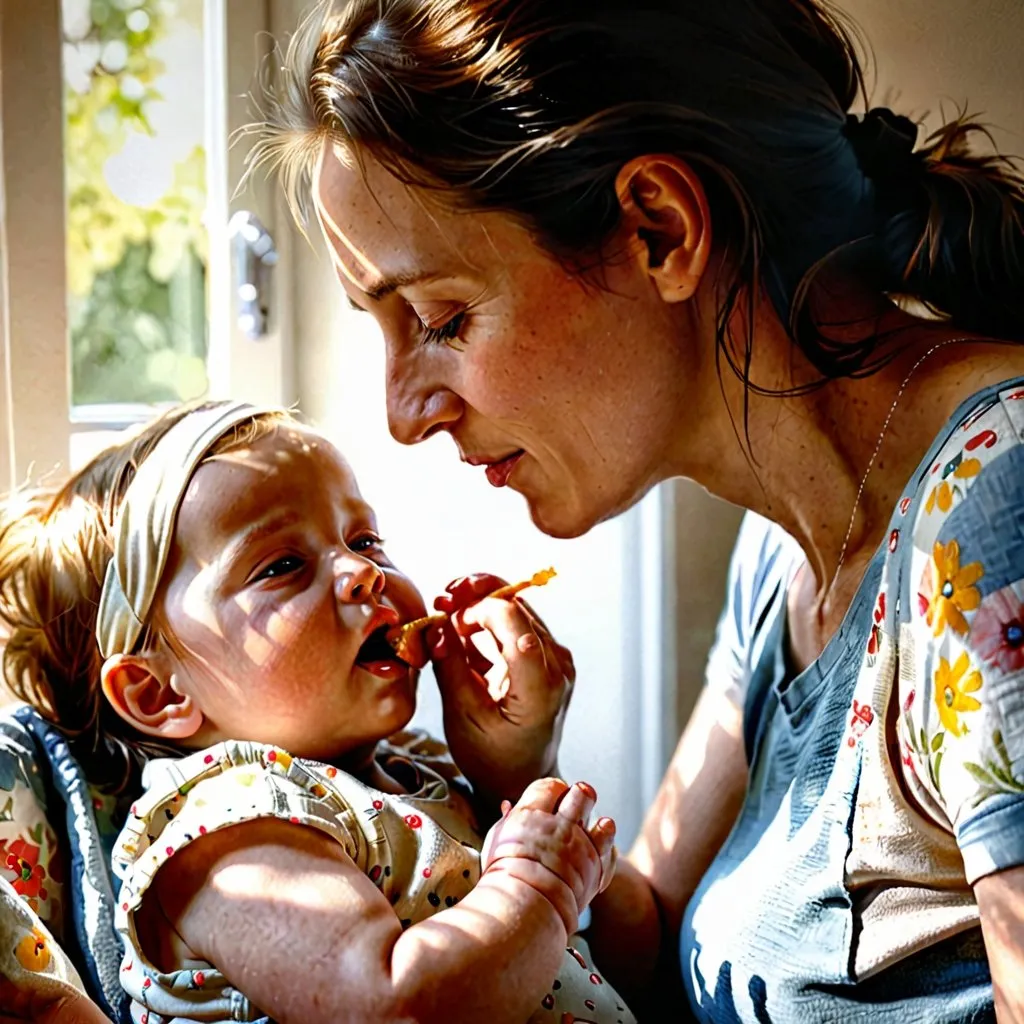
547 841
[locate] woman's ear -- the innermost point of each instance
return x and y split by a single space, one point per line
145 697
665 210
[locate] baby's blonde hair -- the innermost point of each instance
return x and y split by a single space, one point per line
55 543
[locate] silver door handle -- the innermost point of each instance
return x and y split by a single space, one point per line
254 256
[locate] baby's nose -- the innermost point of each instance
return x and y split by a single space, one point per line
357 580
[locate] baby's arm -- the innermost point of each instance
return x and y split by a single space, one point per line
290 920
17 1006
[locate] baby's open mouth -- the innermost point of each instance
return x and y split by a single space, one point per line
376 649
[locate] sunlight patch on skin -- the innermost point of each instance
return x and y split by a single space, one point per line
683 775
331 229
258 648
242 880
196 605
242 458
279 629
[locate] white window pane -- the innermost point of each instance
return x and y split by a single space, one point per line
137 245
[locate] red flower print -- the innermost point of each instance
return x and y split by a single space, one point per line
875 637
997 632
909 702
862 717
23 860
413 821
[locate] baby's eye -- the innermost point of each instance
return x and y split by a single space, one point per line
367 542
281 567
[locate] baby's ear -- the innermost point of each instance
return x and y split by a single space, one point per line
144 696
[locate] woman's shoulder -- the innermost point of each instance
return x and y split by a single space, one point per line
961 633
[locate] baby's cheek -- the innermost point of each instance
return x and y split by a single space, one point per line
280 629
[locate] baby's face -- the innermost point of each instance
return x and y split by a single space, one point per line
276 581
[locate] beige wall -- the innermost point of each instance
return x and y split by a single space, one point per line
929 55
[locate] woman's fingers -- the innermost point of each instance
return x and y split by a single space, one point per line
467 590
521 647
461 686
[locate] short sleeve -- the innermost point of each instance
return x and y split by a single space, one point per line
30 856
762 563
226 785
962 645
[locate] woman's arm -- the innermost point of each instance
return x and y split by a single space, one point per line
1001 904
635 922
290 920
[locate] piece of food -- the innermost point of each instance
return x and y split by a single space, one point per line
407 640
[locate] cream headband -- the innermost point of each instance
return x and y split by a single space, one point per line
144 527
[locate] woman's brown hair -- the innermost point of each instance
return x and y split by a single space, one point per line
55 543
532 107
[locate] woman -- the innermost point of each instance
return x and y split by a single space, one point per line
607 246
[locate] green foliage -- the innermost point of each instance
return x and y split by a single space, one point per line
136 276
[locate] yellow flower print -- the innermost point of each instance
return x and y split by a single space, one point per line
941 494
955 592
280 757
953 693
32 952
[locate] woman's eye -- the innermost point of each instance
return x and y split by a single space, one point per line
281 567
367 542
446 333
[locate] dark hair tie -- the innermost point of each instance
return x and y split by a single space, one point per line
884 143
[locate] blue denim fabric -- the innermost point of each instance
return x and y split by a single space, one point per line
793 963
90 940
770 934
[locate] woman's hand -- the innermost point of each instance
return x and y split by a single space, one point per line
547 841
505 736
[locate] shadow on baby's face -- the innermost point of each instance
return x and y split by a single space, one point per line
274 601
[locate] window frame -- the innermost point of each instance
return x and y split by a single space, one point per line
38 425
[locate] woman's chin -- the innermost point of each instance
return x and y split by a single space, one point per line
560 520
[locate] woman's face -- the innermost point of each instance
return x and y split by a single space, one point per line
276 579
566 390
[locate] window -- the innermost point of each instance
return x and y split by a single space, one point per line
135 188
123 234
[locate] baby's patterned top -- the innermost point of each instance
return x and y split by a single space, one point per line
421 850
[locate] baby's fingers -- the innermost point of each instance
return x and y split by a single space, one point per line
602 835
578 803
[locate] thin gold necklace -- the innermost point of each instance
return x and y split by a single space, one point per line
878 447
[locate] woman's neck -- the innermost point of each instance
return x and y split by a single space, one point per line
808 464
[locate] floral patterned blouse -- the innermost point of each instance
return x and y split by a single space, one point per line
886 778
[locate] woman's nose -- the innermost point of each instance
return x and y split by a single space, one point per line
357 579
417 410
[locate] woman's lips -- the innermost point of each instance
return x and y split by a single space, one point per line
499 472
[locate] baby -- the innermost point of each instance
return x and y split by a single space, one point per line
299 857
